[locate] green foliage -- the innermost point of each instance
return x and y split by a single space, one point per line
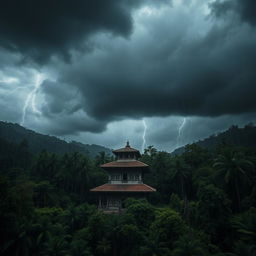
238 137
213 212
235 170
141 210
204 204
188 245
169 225
37 142
245 226
176 203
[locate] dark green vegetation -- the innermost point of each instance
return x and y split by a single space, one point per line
204 205
243 137
38 142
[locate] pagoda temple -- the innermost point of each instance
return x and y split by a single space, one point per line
125 179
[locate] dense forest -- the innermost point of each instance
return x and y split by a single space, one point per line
239 136
37 142
204 204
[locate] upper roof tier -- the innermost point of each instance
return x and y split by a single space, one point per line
127 151
124 164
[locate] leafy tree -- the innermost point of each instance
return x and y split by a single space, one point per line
213 212
141 210
56 246
129 236
153 246
196 156
176 203
102 158
181 174
79 247
150 151
103 247
169 225
188 245
44 194
245 225
234 168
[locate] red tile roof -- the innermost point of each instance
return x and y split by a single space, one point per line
123 188
131 163
126 149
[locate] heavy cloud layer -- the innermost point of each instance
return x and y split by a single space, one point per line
245 9
41 29
131 60
173 64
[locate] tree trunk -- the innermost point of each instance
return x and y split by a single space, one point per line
237 195
184 195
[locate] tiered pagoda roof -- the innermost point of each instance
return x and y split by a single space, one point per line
123 188
124 163
127 174
127 149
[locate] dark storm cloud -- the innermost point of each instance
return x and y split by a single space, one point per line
64 124
40 29
59 98
168 61
210 76
62 110
246 9
163 133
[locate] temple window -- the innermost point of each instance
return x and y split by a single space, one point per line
125 177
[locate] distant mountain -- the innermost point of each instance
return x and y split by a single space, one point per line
38 142
244 137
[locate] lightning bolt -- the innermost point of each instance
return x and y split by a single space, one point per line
180 130
144 135
31 98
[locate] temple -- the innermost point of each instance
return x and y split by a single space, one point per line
125 179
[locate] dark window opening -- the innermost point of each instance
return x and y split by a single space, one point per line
125 177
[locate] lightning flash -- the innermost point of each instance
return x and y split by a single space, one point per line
31 98
180 131
144 135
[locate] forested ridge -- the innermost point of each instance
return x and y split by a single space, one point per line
204 204
239 136
37 142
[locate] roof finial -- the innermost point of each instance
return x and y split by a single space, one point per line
127 144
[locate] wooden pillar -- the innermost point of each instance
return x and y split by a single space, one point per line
100 205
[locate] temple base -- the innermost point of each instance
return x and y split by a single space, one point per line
112 210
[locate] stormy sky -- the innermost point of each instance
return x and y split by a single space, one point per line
103 72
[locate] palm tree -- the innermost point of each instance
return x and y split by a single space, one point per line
103 246
44 234
234 168
23 242
245 224
80 247
187 245
153 245
101 158
151 151
56 246
43 193
181 175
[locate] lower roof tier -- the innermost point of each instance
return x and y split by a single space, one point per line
123 188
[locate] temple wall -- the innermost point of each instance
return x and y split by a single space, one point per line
118 177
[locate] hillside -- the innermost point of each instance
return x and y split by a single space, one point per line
244 137
38 142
